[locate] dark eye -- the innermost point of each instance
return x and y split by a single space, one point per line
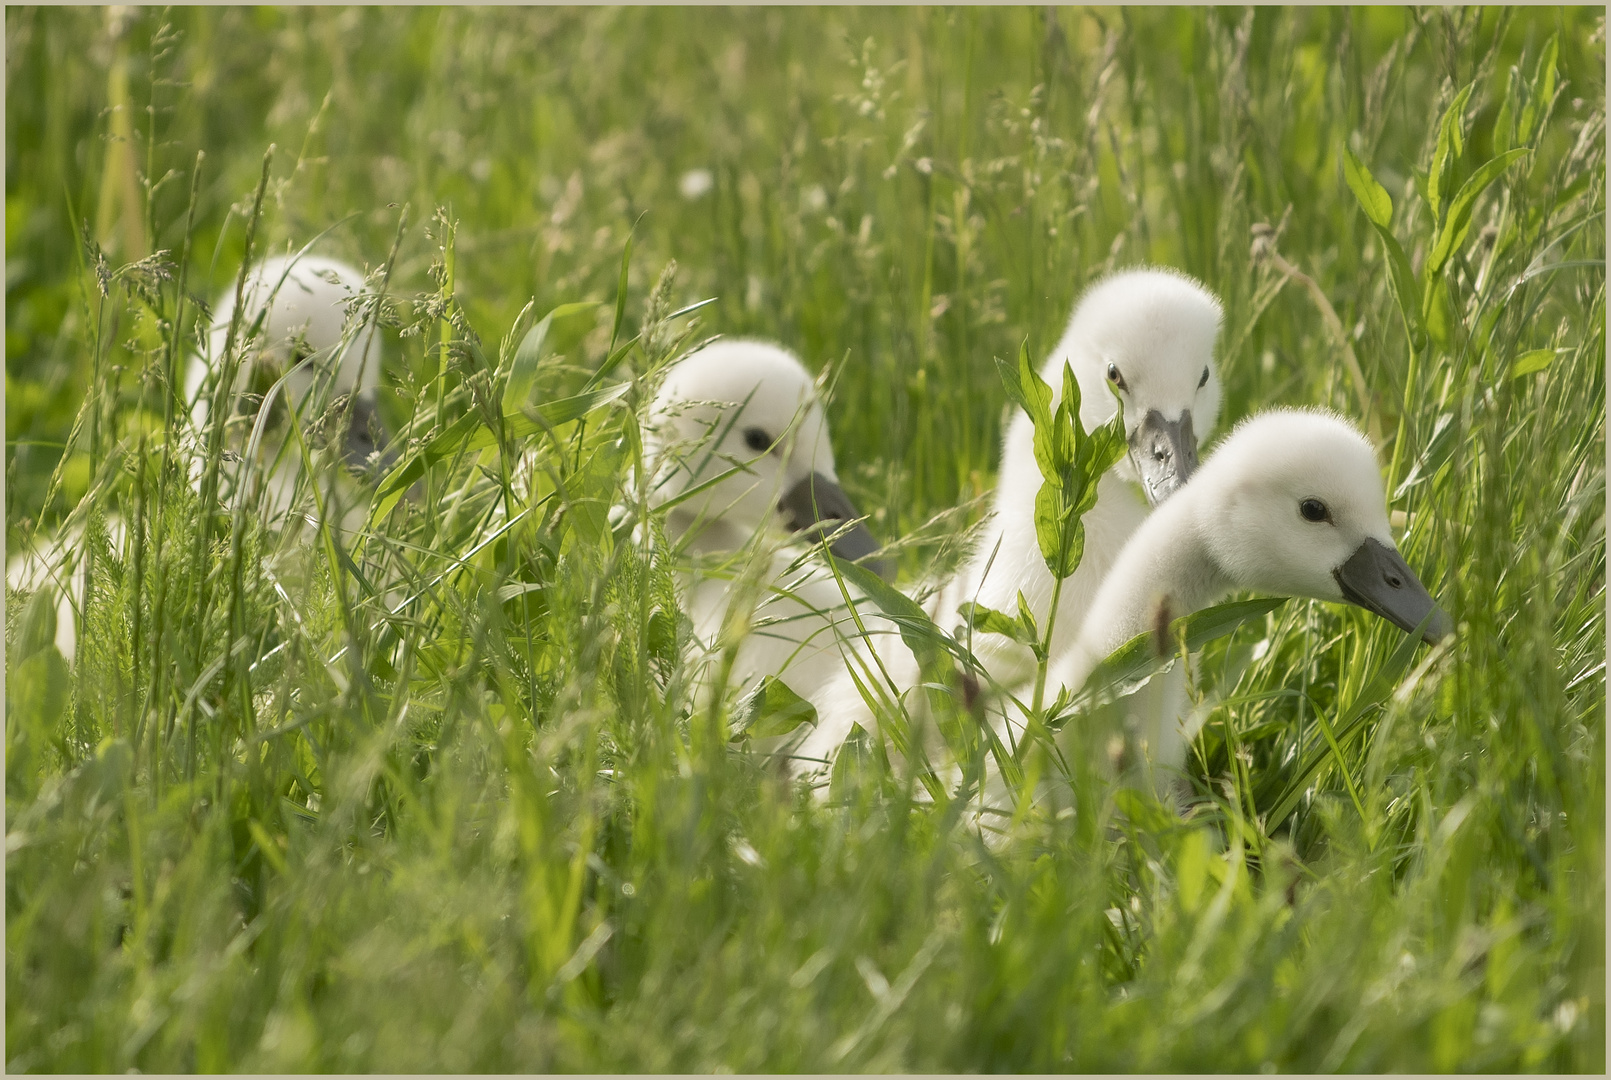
757 440
1114 377
1204 380
1314 510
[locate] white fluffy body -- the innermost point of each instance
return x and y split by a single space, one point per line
1157 328
779 605
1236 525
302 302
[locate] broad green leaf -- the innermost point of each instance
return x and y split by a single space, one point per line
1068 434
1058 530
1546 70
535 418
1100 450
1378 207
1021 380
37 631
857 755
1453 233
917 630
37 693
1373 198
1529 362
771 709
1133 663
1438 310
1027 617
1032 394
1450 146
519 588
411 468
985 620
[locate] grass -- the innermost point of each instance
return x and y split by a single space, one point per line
322 802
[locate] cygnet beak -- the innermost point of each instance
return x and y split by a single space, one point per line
1164 452
1376 578
818 506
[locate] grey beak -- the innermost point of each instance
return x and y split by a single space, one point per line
1164 453
819 506
1376 578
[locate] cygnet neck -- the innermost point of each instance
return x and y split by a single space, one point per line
1166 571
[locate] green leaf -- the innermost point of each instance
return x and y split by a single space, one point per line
1027 617
771 709
535 418
1401 282
1058 530
927 641
523 371
37 693
1450 146
1453 233
1378 207
1529 362
1373 198
1068 435
985 620
1546 69
1505 123
37 631
412 468
1540 92
1129 666
1099 452
1031 393
860 758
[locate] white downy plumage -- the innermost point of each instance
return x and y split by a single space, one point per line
1290 504
305 337
1149 334
739 456
302 302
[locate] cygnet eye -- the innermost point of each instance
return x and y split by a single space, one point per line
1204 380
1114 377
757 440
1314 510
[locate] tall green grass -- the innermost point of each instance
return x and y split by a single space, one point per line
410 801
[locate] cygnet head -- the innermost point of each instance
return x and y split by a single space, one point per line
1295 506
302 302
749 409
1147 336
